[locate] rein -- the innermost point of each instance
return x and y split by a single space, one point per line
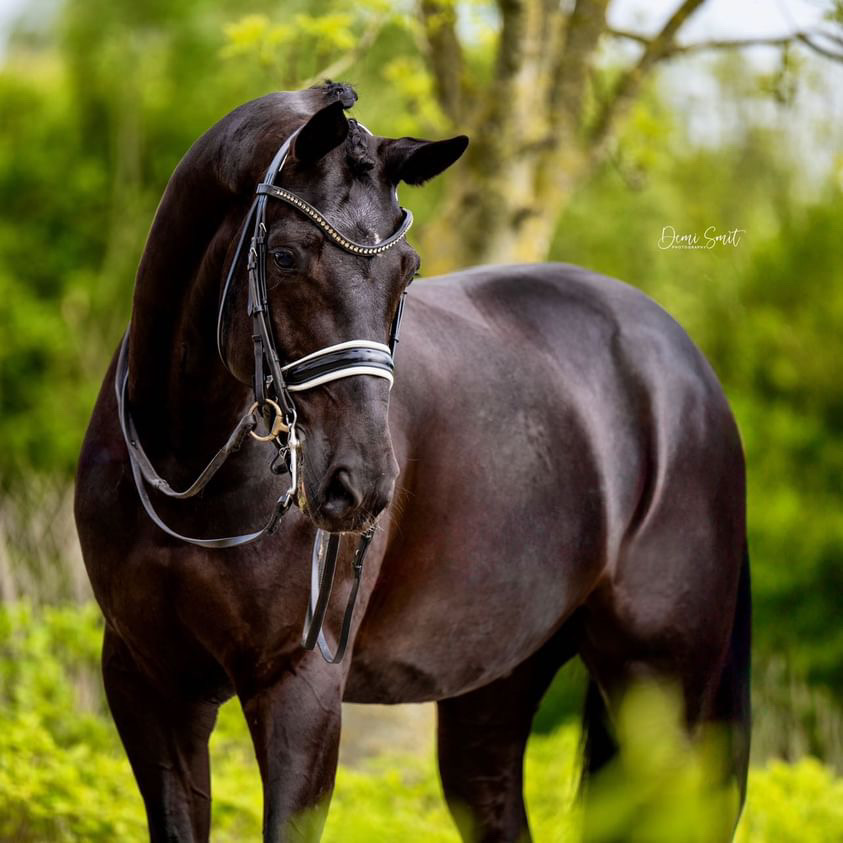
273 385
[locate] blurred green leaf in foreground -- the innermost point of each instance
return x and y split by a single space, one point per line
64 777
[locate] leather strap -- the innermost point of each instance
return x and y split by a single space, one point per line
321 583
245 426
338 239
142 469
332 364
229 278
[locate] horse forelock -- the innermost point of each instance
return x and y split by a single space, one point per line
357 152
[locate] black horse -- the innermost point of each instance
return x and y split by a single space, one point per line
560 471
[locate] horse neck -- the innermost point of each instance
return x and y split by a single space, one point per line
183 399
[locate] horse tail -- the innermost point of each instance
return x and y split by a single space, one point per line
733 696
598 745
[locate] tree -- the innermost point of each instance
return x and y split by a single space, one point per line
538 122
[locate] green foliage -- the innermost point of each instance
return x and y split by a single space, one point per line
803 801
61 775
563 700
84 155
661 788
46 284
48 667
778 366
99 108
767 313
64 777
89 140
297 48
57 792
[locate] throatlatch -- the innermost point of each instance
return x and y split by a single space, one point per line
273 385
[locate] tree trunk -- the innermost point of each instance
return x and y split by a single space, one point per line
507 217
532 137
526 153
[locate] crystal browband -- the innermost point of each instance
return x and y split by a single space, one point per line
343 242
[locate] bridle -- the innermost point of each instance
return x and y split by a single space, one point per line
273 385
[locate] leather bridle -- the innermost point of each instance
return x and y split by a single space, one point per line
273 384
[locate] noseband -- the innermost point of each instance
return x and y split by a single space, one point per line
273 386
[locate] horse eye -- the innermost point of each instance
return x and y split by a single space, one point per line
284 259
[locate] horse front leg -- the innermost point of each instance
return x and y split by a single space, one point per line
166 739
295 727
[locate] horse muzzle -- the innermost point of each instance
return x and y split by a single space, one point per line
350 498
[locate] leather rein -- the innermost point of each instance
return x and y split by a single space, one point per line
273 385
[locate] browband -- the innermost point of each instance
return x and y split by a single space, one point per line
343 242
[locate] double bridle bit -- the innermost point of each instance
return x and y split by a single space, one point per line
273 385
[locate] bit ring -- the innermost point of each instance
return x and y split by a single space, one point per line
277 427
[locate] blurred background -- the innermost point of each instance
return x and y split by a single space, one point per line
603 133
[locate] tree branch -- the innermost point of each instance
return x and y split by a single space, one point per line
732 44
831 36
338 67
585 25
511 44
630 82
444 53
807 40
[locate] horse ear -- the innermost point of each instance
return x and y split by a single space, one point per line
325 131
415 161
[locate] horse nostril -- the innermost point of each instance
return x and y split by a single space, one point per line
341 495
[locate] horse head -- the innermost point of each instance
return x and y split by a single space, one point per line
321 295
